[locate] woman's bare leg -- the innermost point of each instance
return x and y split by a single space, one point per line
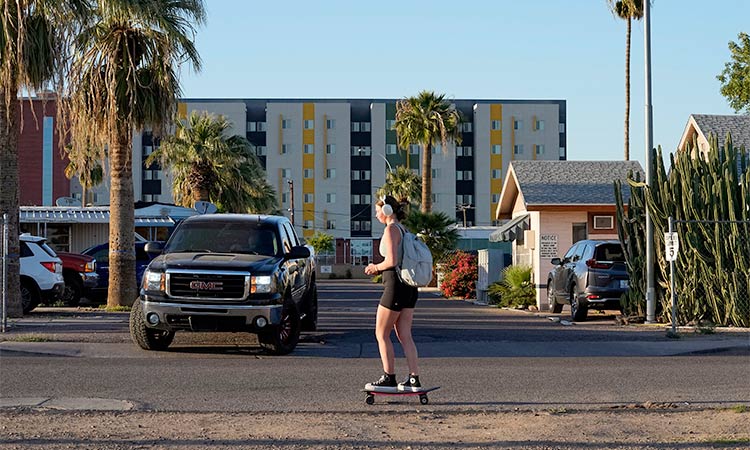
384 323
403 332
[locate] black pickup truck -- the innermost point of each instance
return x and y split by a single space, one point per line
228 272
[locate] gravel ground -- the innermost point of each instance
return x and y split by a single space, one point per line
634 427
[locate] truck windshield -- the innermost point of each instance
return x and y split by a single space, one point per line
210 237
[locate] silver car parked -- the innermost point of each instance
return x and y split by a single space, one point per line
592 274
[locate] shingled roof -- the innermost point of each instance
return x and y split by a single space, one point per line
738 126
573 182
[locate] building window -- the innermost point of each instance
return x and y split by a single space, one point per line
496 125
497 173
518 149
309 224
365 126
366 225
146 175
309 124
284 197
604 222
309 173
390 149
464 151
361 151
309 148
495 198
497 149
256 126
261 150
561 127
435 173
539 149
466 127
360 175
355 126
330 224
284 149
330 124
562 152
390 124
355 175
148 149
414 149
434 198
464 199
286 123
331 149
463 175
330 173
309 198
518 124
331 197
539 125
286 173
355 225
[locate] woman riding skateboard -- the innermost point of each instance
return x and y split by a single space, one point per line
396 308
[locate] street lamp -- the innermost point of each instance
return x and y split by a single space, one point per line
291 202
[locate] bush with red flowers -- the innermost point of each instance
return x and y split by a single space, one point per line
459 275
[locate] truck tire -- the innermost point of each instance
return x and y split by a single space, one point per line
147 338
73 291
310 322
281 339
30 296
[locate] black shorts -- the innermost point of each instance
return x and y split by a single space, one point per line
397 295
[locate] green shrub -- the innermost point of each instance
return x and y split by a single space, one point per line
459 275
515 289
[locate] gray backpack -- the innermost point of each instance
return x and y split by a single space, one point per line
416 260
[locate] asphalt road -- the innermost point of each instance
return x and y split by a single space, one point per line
483 359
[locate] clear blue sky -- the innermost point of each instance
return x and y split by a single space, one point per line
541 49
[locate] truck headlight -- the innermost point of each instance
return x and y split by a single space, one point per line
154 281
90 266
261 284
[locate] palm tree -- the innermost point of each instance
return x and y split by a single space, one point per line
84 164
402 184
627 10
208 165
33 49
427 120
123 78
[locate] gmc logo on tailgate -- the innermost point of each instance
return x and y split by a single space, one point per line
206 285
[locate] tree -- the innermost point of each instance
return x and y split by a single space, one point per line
321 242
427 120
436 230
33 36
208 165
735 78
403 184
84 164
628 10
123 77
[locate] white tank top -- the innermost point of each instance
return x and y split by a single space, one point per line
383 250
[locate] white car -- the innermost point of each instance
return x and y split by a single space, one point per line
41 272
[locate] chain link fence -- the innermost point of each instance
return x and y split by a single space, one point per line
711 273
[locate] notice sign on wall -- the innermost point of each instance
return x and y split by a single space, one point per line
548 246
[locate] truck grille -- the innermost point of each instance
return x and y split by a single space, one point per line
207 285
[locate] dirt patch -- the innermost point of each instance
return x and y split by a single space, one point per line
636 428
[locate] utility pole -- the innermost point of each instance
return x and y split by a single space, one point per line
291 201
464 208
650 276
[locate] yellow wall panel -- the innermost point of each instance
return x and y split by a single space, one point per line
496 162
307 233
308 137
308 185
308 160
182 110
308 111
496 112
308 214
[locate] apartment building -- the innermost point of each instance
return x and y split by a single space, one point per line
334 155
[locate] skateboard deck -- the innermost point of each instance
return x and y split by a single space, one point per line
422 393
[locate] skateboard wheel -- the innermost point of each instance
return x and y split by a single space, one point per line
370 399
423 399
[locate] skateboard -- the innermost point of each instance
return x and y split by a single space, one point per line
422 393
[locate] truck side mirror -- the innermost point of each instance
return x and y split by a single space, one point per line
153 248
555 261
298 252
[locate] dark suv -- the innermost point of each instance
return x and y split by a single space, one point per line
592 274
